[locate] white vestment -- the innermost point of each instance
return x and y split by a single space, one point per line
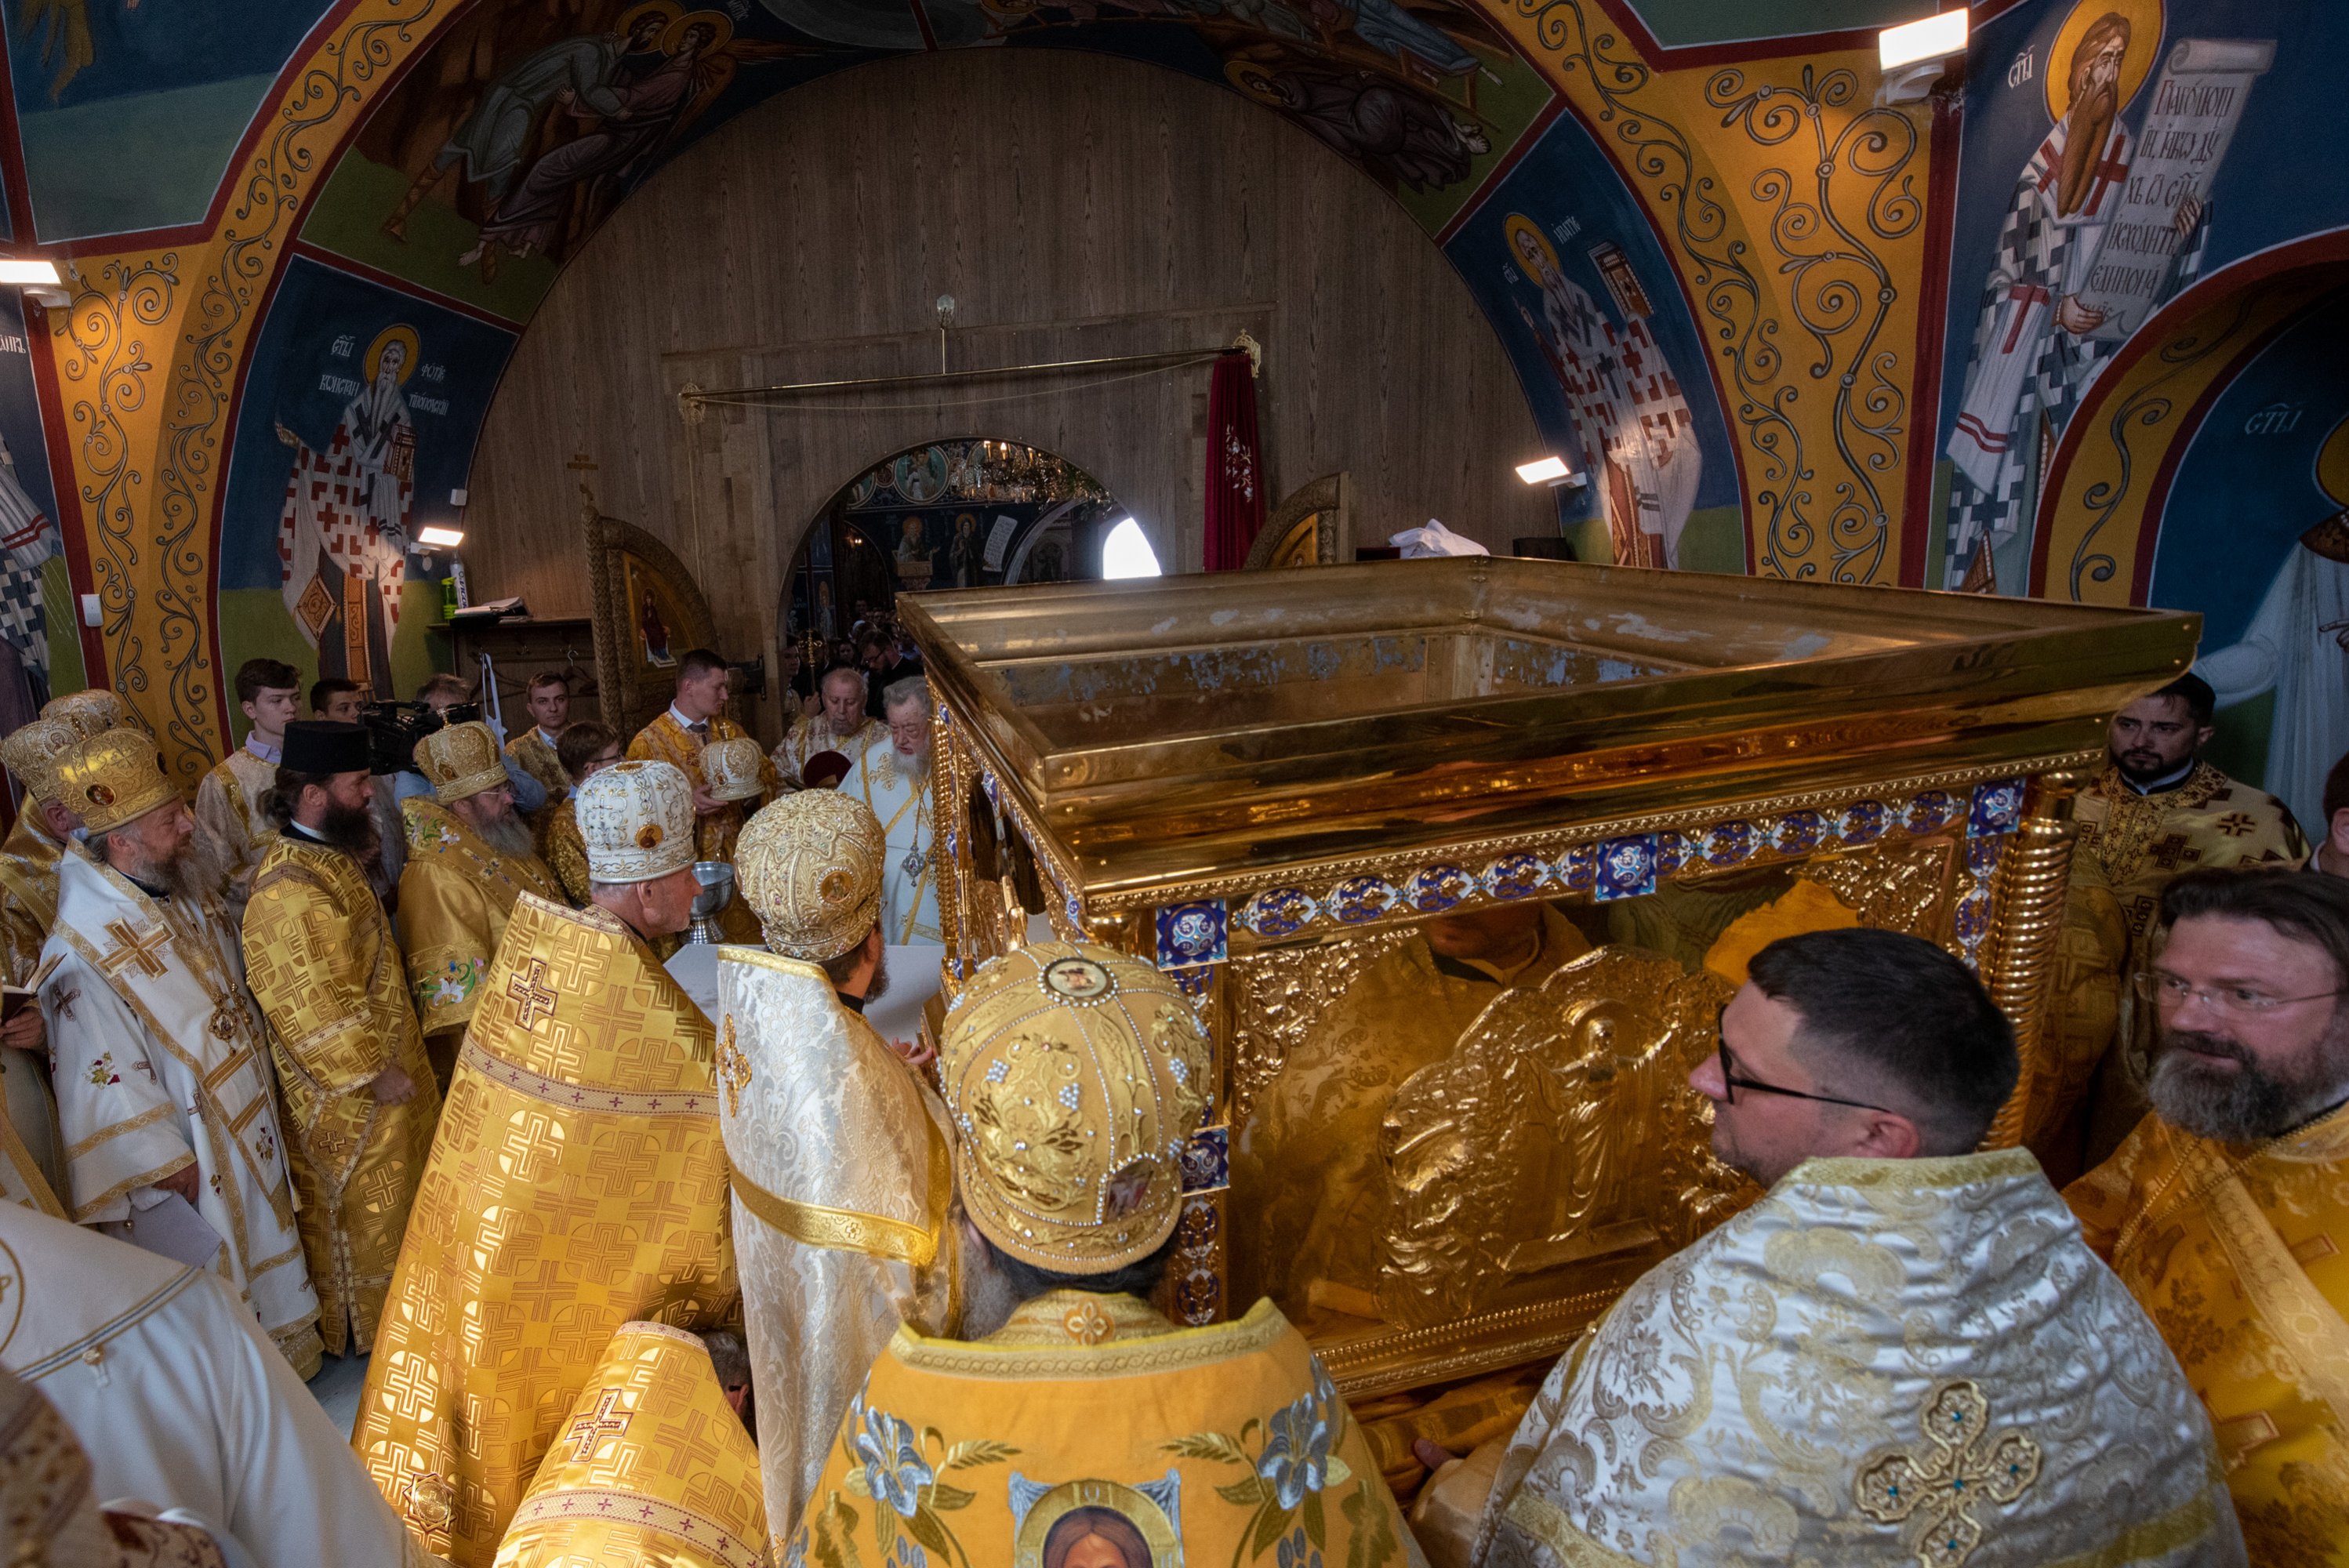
161 1059
909 884
2293 647
1882 1362
180 1401
841 1189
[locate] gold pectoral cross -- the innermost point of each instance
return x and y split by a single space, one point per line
1940 1489
733 1068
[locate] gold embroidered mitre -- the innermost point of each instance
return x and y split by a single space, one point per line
113 778
635 821
651 1466
461 761
33 752
734 768
809 866
577 1162
1075 1075
92 712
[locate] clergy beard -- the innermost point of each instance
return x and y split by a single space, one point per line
352 829
508 834
186 874
2252 1100
988 1296
2083 144
913 768
879 987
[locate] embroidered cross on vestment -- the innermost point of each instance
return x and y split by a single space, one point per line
1940 1489
597 1424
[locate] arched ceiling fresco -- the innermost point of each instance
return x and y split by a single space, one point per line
1704 256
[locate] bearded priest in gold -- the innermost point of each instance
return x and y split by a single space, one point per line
651 1468
694 721
839 1149
893 777
32 1163
469 858
1084 1428
1903 1353
2227 1210
323 962
578 1183
164 1089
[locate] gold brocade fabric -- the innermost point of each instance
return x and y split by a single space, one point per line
32 1164
536 756
1882 1362
814 734
321 960
229 823
1090 1431
840 1187
2240 1253
577 1183
666 740
455 894
652 1470
563 850
1307 1163
28 891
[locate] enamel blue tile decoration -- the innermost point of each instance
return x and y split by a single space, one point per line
1931 810
1578 868
1863 822
1359 899
1515 876
1723 844
1191 933
1279 912
1796 834
1997 807
1208 1159
1436 889
1626 867
1672 853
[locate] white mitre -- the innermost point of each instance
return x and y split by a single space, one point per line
635 821
1883 1362
840 1154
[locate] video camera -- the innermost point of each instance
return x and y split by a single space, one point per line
394 728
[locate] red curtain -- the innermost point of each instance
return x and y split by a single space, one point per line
1235 464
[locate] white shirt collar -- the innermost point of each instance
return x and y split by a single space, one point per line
681 721
271 755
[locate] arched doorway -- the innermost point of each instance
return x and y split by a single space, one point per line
969 512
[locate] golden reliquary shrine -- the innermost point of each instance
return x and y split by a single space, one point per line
1461 858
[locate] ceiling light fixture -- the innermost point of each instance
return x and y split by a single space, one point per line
1912 56
1543 470
38 276
440 538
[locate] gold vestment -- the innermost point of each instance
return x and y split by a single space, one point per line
536 756
32 1163
1091 1417
578 1183
230 826
651 1470
2239 1253
841 1189
666 740
564 850
321 960
456 893
813 734
1308 1162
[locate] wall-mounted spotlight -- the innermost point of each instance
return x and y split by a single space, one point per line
1914 54
38 278
440 538
1550 471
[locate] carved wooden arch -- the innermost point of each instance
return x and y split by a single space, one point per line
625 564
1310 528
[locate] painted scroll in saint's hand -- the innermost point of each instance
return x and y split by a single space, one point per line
2191 119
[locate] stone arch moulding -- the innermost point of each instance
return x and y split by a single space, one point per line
2100 515
1796 233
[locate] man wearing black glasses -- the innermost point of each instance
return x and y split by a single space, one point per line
1903 1352
2227 1210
